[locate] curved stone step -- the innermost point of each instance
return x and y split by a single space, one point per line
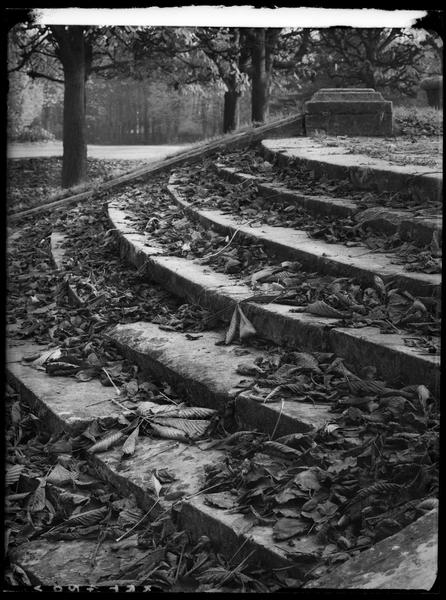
219 293
320 205
362 170
404 222
68 405
332 259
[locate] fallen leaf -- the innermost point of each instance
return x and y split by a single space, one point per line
220 499
286 528
13 474
53 354
232 330
107 442
247 329
193 428
307 480
306 362
85 519
130 443
38 499
379 284
193 412
260 276
86 374
156 484
322 309
169 433
59 475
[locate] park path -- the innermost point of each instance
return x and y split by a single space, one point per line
46 149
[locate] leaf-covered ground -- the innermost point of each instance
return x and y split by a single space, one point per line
51 493
34 181
371 470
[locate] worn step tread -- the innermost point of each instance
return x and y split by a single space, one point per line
295 244
60 396
56 565
405 222
275 322
207 375
335 162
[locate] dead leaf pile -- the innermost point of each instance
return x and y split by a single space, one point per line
364 475
31 181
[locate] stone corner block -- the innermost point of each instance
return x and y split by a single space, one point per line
348 111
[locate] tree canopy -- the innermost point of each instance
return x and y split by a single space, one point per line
200 60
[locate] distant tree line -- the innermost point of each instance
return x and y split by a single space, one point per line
160 84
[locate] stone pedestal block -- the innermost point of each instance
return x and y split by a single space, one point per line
348 111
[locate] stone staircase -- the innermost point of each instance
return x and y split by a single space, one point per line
206 372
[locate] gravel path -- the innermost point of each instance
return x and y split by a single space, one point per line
46 149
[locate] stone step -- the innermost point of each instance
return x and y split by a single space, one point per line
68 565
333 259
407 560
362 170
405 223
219 293
206 374
69 409
202 371
319 205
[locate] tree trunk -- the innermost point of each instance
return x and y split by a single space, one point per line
259 82
75 58
74 167
231 111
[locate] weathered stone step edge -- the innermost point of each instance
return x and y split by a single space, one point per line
408 227
407 560
166 355
314 254
194 515
370 176
216 291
